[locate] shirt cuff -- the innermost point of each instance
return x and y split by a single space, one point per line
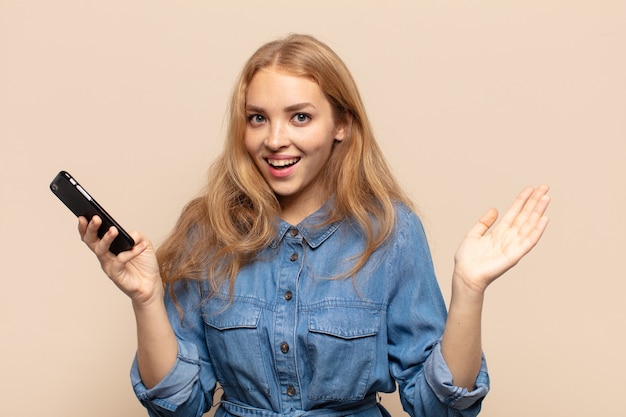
439 378
176 387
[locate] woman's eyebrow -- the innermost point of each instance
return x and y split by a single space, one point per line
250 107
299 106
290 108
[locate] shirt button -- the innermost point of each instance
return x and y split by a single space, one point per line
293 232
288 295
291 391
293 257
284 347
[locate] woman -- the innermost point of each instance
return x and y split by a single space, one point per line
301 280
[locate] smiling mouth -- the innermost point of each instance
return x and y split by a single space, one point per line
282 163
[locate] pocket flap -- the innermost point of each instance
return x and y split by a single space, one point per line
236 315
345 322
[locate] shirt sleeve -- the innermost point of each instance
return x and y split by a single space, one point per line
439 380
187 390
416 319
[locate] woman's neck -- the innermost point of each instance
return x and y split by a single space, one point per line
293 211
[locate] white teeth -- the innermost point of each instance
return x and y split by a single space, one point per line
279 163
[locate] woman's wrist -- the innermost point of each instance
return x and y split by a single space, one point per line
463 285
146 303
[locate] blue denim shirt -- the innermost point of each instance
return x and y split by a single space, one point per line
297 341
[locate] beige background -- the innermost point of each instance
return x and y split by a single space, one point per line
470 100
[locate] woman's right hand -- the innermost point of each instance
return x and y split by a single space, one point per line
135 272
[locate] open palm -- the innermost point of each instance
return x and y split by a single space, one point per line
489 250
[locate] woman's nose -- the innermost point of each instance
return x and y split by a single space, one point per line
277 137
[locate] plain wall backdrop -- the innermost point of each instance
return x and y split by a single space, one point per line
471 101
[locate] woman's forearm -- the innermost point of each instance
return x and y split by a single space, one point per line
157 347
461 343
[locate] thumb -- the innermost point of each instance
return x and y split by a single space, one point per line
484 223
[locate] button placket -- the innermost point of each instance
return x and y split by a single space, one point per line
291 253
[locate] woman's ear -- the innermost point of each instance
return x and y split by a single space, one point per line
343 128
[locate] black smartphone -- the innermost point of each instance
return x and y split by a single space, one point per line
78 200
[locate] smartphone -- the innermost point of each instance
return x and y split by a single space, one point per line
78 200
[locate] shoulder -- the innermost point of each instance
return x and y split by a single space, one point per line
406 216
409 233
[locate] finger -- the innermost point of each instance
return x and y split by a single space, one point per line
141 244
484 223
102 246
518 205
532 210
524 206
534 235
90 237
534 199
535 215
82 226
539 229
135 251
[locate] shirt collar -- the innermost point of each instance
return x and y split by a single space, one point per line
313 229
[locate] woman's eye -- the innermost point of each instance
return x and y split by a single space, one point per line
301 118
255 119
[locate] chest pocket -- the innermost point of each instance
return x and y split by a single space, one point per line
341 346
232 334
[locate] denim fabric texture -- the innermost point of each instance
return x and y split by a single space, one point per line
296 341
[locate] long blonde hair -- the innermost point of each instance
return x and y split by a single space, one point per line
235 217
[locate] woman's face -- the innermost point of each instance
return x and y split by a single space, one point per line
290 133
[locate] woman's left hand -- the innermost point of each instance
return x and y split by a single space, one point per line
488 252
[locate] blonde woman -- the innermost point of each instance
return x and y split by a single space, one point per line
301 280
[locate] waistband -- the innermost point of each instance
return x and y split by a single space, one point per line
238 409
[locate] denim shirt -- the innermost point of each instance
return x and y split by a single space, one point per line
297 341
